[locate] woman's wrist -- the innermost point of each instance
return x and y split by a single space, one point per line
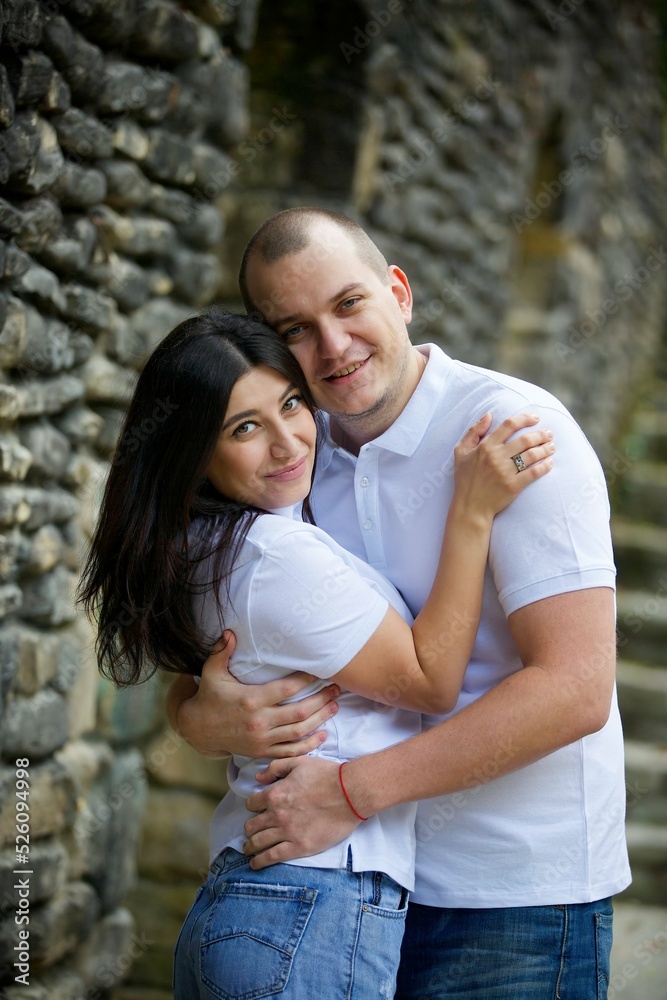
466 516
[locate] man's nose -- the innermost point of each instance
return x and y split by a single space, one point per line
333 340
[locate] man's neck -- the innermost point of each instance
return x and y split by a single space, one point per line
354 433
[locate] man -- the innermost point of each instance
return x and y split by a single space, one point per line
520 842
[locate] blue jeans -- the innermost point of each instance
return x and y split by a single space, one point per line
290 932
514 953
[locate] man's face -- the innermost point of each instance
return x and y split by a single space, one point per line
344 325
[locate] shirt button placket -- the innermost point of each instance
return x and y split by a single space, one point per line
367 503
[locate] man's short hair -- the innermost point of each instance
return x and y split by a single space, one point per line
289 232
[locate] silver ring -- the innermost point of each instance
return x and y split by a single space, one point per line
519 462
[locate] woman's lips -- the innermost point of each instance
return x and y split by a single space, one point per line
291 472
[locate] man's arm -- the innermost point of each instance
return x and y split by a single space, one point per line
568 648
222 716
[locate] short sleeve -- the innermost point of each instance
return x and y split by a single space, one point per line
307 608
555 536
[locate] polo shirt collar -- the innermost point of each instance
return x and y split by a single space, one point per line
406 433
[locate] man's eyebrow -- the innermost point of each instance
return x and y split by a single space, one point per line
334 298
251 413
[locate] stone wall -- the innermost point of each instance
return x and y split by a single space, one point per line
118 124
506 153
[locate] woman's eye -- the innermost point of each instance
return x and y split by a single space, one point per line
244 428
292 403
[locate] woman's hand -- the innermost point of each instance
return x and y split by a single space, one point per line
490 470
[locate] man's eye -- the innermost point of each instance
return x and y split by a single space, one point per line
293 332
348 303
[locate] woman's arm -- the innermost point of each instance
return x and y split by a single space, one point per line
422 668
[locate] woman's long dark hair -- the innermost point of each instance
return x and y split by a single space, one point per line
137 581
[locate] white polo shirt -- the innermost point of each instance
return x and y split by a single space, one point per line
552 832
298 601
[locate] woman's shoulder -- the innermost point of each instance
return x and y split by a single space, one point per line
271 530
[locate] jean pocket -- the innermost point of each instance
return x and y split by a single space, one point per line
250 938
603 941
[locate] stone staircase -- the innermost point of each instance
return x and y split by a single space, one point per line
639 526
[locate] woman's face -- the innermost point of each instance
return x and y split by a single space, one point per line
266 449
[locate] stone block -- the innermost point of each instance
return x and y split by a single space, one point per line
71 251
165 32
11 547
107 382
172 204
196 276
41 221
63 923
41 286
172 762
108 21
15 460
51 505
56 984
52 801
83 135
48 864
175 834
24 25
116 809
37 160
10 218
58 98
80 424
138 236
49 395
9 402
107 955
170 158
81 63
95 311
49 447
45 550
15 263
80 187
131 140
126 715
34 655
12 334
7 104
34 727
112 422
221 85
14 506
154 320
33 79
11 599
219 13
47 347
126 281
214 170
49 599
204 228
138 90
127 186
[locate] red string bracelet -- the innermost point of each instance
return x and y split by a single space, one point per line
347 797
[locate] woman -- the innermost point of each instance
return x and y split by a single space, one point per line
188 543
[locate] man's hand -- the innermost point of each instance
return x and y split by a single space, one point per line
300 815
224 716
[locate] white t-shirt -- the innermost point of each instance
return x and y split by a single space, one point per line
301 602
552 832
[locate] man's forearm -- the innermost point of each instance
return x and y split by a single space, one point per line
516 723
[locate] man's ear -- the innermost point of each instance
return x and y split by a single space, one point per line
400 287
